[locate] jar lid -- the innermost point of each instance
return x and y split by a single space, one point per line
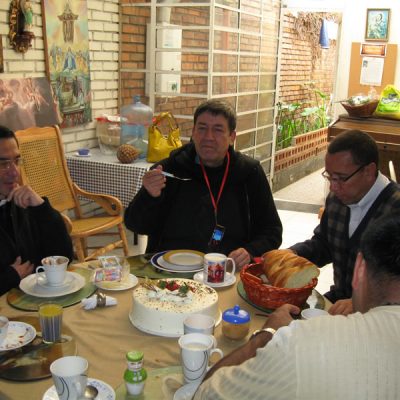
236 315
134 355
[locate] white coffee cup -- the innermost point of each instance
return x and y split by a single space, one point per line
199 323
309 313
3 328
54 271
215 267
70 377
196 349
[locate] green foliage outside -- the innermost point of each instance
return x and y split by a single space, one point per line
294 119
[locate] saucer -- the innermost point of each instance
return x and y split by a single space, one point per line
188 258
230 280
186 392
19 334
106 392
122 285
30 286
82 155
42 281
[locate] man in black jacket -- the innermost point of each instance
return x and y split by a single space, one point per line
30 229
226 204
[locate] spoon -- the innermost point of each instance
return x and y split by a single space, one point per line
90 392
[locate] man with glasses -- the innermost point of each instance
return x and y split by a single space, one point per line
30 229
359 195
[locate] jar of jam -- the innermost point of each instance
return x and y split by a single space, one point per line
135 375
235 323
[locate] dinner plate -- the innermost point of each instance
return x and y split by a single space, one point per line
158 262
106 392
186 392
30 286
122 285
230 280
19 334
184 257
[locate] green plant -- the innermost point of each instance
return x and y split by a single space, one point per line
293 119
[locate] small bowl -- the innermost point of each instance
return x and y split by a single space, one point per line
83 152
309 313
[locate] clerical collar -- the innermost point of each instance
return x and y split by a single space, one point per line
3 202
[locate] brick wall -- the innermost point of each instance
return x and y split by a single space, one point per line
103 18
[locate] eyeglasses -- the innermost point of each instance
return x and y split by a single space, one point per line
5 165
341 179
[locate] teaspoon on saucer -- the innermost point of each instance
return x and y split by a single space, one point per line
90 392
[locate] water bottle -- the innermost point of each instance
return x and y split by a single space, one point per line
135 375
135 121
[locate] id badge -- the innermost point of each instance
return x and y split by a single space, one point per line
217 236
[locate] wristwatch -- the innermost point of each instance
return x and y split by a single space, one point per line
258 331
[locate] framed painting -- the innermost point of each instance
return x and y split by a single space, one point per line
377 24
1 55
67 58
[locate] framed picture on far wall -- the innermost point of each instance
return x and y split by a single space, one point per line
377 25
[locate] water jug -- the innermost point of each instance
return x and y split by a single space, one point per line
135 121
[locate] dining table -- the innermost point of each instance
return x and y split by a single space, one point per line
104 335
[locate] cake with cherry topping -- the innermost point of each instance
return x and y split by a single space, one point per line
160 306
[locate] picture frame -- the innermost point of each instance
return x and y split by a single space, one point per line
373 49
377 24
1 55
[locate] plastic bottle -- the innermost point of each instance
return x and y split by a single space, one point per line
135 375
135 121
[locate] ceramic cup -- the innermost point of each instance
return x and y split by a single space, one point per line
50 318
309 313
70 377
215 267
3 328
54 271
199 323
196 349
83 152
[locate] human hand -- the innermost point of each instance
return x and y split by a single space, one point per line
342 307
23 269
241 257
154 181
282 316
25 196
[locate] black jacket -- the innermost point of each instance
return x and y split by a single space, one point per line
183 216
32 233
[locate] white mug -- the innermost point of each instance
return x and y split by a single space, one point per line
309 313
3 328
215 267
196 349
70 377
199 323
54 271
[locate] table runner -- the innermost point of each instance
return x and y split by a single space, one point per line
22 301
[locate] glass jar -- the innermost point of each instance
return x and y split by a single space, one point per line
135 375
235 323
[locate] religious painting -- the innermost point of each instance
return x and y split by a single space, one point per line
27 102
377 25
67 58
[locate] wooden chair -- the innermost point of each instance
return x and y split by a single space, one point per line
45 170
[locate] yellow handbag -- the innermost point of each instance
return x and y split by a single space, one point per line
160 145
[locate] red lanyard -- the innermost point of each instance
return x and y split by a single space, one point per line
215 203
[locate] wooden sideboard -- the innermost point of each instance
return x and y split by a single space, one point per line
385 132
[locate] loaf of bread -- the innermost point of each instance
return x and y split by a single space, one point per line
286 269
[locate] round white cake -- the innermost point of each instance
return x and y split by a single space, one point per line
160 307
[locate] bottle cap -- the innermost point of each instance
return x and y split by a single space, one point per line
236 315
134 355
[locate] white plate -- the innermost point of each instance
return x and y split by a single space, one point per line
83 155
230 280
19 334
42 281
123 285
186 392
158 261
30 286
184 258
106 392
166 334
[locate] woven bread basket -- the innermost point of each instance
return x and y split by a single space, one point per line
362 111
270 296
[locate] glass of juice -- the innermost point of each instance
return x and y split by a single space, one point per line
50 317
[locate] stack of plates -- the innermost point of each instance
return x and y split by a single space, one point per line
179 261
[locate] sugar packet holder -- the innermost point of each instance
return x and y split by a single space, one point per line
112 274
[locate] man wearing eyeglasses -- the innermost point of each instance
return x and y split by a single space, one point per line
359 195
30 229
